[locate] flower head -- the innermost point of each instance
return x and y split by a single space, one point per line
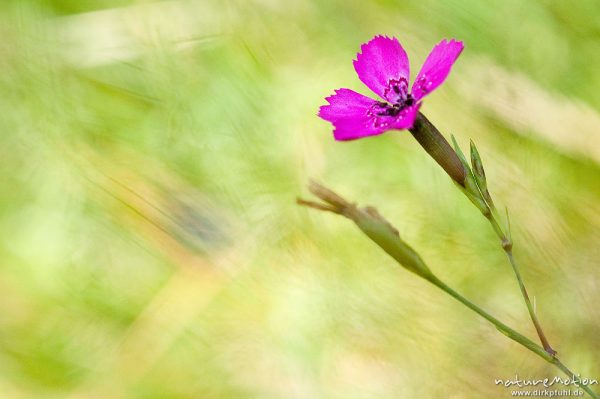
382 65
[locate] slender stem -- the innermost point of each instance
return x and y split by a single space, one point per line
473 184
510 333
534 319
507 246
571 374
503 328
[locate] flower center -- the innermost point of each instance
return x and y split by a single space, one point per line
396 90
385 109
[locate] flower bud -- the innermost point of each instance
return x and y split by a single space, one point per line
373 225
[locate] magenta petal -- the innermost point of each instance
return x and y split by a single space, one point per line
356 128
350 113
355 116
380 61
345 104
406 118
436 67
368 125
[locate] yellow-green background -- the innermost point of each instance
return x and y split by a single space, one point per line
150 246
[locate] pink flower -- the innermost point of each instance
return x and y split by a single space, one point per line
383 66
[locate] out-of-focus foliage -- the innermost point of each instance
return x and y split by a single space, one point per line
150 245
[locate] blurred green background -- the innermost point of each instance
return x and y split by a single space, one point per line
151 156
